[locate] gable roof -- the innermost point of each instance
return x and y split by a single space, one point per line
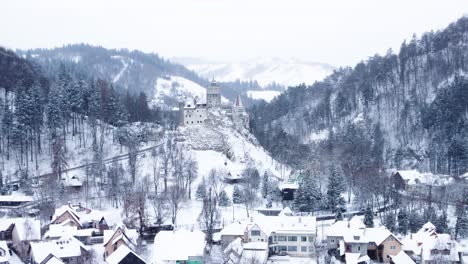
130 236
379 235
52 259
123 251
64 247
28 229
401 258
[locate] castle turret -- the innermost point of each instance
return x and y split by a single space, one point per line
213 95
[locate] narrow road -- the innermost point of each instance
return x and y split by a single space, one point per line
104 161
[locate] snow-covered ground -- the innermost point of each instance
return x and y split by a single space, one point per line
288 72
263 95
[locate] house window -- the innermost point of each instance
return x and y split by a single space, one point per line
292 238
393 247
304 239
282 248
311 238
255 232
311 249
292 248
333 240
275 238
304 249
446 252
281 238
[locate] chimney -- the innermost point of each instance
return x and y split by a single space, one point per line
251 219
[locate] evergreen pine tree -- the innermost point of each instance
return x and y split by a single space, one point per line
265 185
339 214
201 190
441 223
415 222
224 199
403 221
390 222
334 189
461 226
237 195
308 196
369 217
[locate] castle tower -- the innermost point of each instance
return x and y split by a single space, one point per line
213 95
240 117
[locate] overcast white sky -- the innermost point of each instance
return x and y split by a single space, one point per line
331 31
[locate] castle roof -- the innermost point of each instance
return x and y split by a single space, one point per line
238 101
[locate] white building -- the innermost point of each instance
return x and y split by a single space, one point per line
213 95
294 235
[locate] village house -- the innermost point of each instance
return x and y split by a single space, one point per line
124 255
421 183
80 217
67 248
431 247
354 243
120 236
181 246
25 231
15 201
293 235
231 232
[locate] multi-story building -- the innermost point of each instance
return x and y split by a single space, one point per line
293 235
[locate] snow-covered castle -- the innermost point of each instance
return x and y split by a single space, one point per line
196 112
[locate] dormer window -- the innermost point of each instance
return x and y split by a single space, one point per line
356 237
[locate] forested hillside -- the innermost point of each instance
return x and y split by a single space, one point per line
404 110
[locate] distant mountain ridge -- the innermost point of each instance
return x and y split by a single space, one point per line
265 70
132 71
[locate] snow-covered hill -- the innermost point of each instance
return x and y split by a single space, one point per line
265 71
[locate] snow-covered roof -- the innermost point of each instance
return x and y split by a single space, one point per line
286 211
28 229
343 227
379 234
64 247
401 258
73 181
6 223
234 229
120 254
129 235
235 246
410 245
16 198
284 224
440 242
355 222
58 230
255 246
178 245
52 259
413 177
288 185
